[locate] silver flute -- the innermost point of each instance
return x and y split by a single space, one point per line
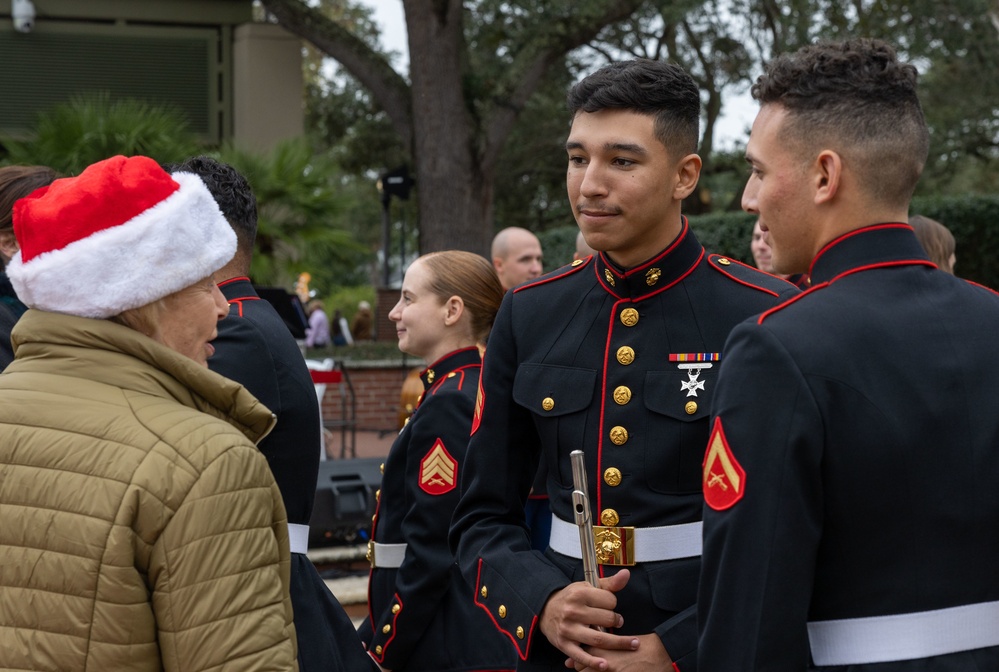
581 510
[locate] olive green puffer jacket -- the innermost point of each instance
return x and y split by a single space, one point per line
140 529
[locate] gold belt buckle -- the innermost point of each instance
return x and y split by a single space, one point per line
614 545
370 557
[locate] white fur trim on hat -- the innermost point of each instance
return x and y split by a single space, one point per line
180 240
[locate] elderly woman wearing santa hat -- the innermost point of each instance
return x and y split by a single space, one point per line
141 529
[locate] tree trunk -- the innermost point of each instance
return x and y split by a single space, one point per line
455 205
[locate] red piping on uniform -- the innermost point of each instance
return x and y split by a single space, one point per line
884 264
239 306
603 283
603 382
395 618
461 370
675 668
683 234
530 634
232 280
453 352
543 281
741 282
869 267
767 313
972 282
850 234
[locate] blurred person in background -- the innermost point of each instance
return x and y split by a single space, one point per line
362 324
15 182
143 529
317 334
763 258
937 240
517 256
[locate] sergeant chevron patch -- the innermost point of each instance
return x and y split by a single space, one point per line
724 478
438 471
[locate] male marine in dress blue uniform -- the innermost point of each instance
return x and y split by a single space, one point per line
852 470
255 348
616 355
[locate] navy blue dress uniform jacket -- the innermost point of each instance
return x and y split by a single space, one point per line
422 616
255 348
574 358
859 445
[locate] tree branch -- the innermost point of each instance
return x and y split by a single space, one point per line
388 89
564 35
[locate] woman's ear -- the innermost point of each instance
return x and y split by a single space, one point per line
454 308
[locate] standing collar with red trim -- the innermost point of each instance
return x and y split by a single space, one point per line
235 289
891 243
448 363
649 277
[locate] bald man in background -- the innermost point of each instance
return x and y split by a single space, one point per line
517 256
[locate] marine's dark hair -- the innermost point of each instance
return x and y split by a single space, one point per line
661 90
232 193
856 98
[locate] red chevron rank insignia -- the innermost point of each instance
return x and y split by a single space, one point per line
480 400
438 471
724 479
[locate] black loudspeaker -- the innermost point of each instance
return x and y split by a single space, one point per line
345 501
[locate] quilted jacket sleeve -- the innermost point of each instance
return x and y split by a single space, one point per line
220 572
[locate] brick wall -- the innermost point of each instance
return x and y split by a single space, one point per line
377 391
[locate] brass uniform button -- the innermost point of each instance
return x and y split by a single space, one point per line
724 262
618 435
386 628
690 407
452 374
381 467
652 277
629 317
484 592
396 608
548 403
609 518
609 276
520 632
430 375
501 611
378 494
622 395
612 476
577 262
625 355
378 649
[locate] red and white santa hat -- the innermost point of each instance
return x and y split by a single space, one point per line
120 235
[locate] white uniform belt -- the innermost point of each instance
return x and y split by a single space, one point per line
386 556
921 634
652 544
298 536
